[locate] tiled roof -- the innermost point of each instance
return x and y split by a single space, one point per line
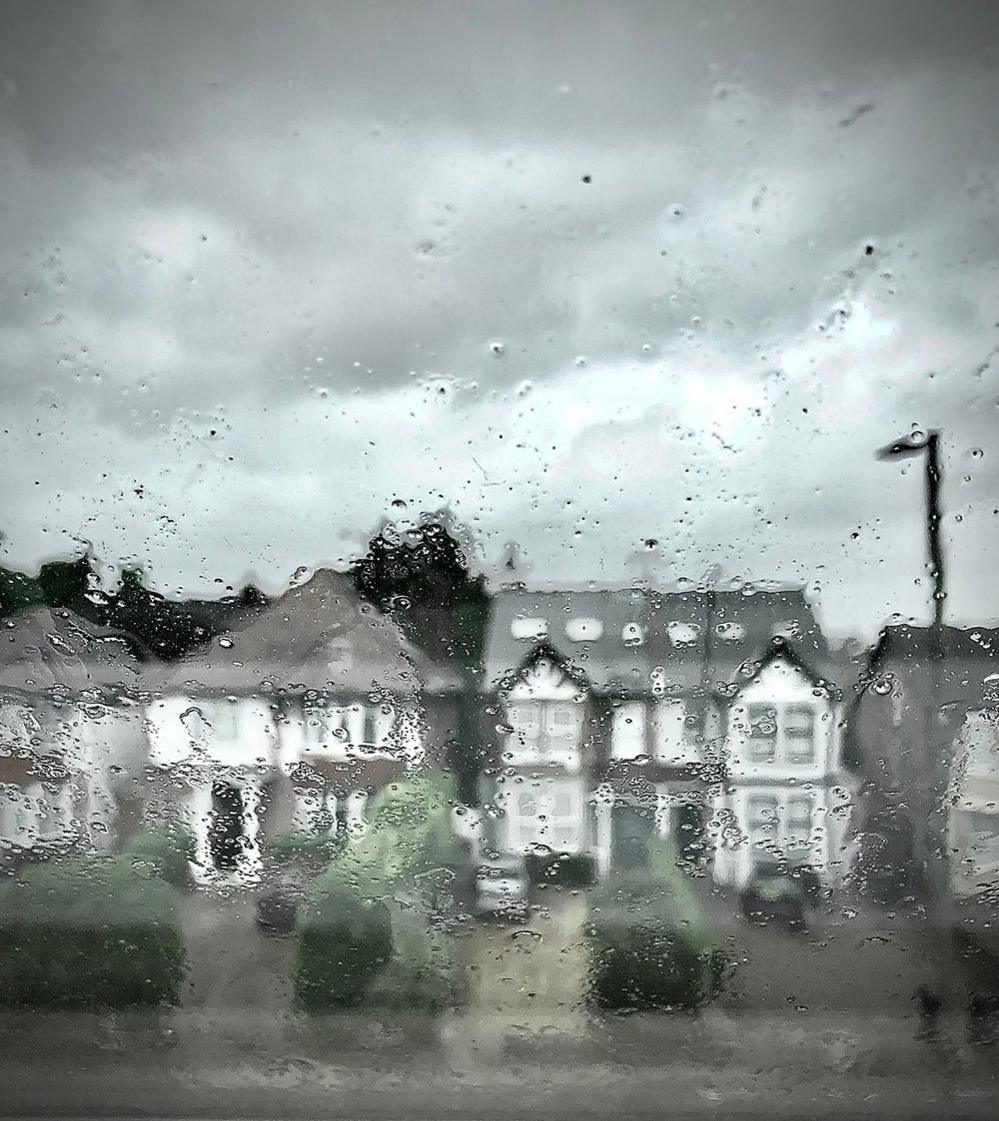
44 648
292 645
697 639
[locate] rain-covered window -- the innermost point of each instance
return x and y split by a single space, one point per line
498 613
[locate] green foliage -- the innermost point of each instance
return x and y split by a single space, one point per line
314 849
420 576
564 869
89 933
408 839
422 974
650 947
357 942
166 852
169 627
344 941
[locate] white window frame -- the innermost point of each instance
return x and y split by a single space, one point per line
562 829
536 735
629 729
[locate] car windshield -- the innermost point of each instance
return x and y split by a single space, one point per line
497 616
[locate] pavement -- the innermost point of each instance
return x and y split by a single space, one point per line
818 1023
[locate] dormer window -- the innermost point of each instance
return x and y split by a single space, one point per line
632 634
528 628
584 630
730 632
682 634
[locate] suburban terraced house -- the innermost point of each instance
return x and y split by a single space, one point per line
707 717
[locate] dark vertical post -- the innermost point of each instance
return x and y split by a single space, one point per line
933 820
933 517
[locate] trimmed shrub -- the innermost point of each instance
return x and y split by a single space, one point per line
89 933
422 974
409 834
650 947
277 909
167 852
344 941
573 870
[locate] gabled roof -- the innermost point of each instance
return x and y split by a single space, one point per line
779 649
542 652
699 639
318 636
968 658
46 648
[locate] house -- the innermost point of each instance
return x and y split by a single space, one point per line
291 723
922 743
785 795
70 728
613 717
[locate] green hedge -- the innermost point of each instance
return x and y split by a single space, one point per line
167 852
561 869
344 941
89 933
422 973
649 946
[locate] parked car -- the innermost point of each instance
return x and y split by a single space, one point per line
501 888
773 895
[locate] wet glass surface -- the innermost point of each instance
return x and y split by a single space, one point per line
496 612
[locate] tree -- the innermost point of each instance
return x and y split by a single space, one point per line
419 576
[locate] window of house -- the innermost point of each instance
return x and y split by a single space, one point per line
370 733
762 720
628 729
52 817
762 820
562 720
799 733
584 629
224 720
524 718
524 628
633 634
982 842
543 730
798 820
551 814
682 634
730 631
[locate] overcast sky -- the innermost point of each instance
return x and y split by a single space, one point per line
589 274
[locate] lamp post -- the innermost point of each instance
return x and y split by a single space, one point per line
927 798
930 444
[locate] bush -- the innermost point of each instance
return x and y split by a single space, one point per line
277 909
344 941
409 833
649 946
422 974
167 853
314 849
565 869
89 933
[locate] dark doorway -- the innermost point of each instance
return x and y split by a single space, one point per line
689 832
225 834
632 827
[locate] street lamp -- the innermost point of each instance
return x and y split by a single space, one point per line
926 799
907 447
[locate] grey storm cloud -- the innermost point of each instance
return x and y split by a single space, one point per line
590 274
